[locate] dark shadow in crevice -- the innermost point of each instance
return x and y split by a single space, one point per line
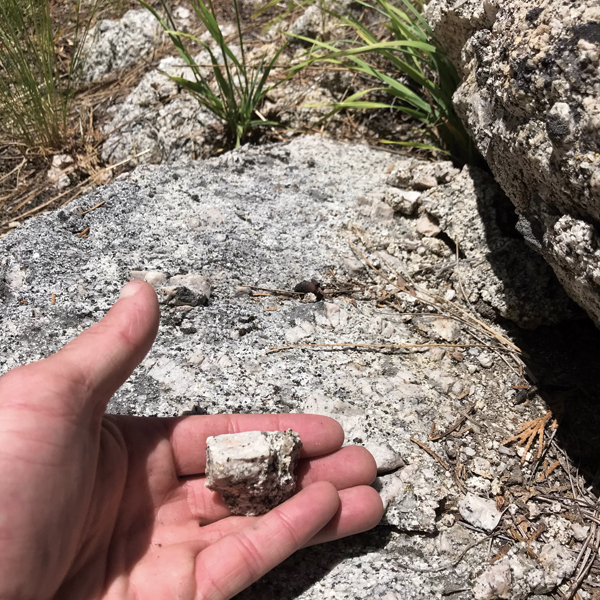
565 361
563 357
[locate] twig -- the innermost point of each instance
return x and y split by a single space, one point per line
542 457
89 180
585 568
455 425
19 166
85 212
357 345
466 317
431 453
447 566
275 291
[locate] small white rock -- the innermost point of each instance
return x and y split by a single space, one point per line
482 467
493 583
580 532
253 470
156 278
427 227
485 360
386 458
479 512
446 329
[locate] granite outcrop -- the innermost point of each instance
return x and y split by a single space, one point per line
530 99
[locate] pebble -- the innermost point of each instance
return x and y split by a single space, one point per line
382 211
580 532
481 466
439 380
457 388
486 360
427 227
437 353
156 278
493 583
479 512
448 330
309 299
386 458
507 451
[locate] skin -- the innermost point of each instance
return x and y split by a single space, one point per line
105 506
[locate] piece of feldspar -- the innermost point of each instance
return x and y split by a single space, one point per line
253 470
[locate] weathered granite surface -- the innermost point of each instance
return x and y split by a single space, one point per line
272 217
530 98
115 44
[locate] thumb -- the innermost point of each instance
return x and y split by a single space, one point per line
88 371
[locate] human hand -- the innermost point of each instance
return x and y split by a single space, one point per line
106 506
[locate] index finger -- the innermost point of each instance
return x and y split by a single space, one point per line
319 434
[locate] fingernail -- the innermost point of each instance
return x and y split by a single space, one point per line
131 289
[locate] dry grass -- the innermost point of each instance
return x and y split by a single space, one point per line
25 189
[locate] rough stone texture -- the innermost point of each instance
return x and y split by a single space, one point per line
117 44
272 217
253 470
530 100
158 119
517 576
480 512
467 209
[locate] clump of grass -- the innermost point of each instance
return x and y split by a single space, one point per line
417 73
36 90
237 89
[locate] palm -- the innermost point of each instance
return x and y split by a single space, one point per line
116 507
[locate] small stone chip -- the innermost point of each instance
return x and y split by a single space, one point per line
253 470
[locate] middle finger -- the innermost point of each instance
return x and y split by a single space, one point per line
348 467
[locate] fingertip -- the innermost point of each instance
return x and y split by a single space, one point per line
375 509
359 455
331 438
360 509
142 292
131 289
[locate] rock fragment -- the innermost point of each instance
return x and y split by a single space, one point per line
493 583
479 512
386 458
186 290
427 226
253 470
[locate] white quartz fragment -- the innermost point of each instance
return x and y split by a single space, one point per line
479 512
253 470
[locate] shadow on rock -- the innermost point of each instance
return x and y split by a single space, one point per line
562 355
564 360
312 564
